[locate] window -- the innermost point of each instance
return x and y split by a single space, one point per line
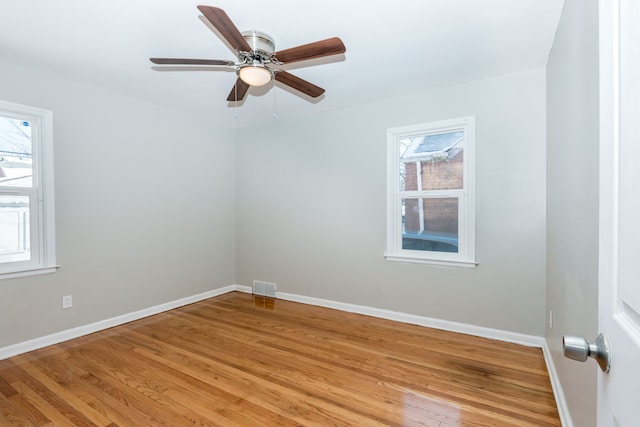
430 193
27 235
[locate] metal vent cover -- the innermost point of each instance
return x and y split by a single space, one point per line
265 289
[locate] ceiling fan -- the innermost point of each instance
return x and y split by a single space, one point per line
257 58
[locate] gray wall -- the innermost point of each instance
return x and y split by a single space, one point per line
144 207
311 206
572 198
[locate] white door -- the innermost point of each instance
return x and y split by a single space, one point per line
619 288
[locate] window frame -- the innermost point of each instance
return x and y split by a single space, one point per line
41 194
465 257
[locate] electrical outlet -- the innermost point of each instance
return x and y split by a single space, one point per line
67 301
550 319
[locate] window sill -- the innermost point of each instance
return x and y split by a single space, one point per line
27 273
441 263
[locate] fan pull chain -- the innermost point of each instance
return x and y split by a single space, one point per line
275 105
235 113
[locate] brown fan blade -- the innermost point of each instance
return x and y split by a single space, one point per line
332 46
238 91
182 61
221 21
299 84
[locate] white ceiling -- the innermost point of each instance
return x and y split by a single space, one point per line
394 48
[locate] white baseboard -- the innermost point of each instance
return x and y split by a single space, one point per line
34 344
558 393
464 328
245 289
497 334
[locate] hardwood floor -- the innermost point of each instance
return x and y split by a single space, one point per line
236 360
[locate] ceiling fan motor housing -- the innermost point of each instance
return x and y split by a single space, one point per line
262 45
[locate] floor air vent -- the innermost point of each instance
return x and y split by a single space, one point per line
264 289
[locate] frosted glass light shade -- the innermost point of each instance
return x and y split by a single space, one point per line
255 75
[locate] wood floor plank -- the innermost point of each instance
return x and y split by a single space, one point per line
79 383
60 386
127 383
53 417
192 392
327 382
321 385
29 410
240 360
15 415
447 380
240 380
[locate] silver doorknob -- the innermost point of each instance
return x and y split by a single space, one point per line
577 348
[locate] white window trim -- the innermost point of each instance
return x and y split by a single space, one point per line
466 197
43 248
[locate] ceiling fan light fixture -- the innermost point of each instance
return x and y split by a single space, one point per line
253 51
255 74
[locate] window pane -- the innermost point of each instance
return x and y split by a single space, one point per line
14 228
15 153
432 162
404 143
430 224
